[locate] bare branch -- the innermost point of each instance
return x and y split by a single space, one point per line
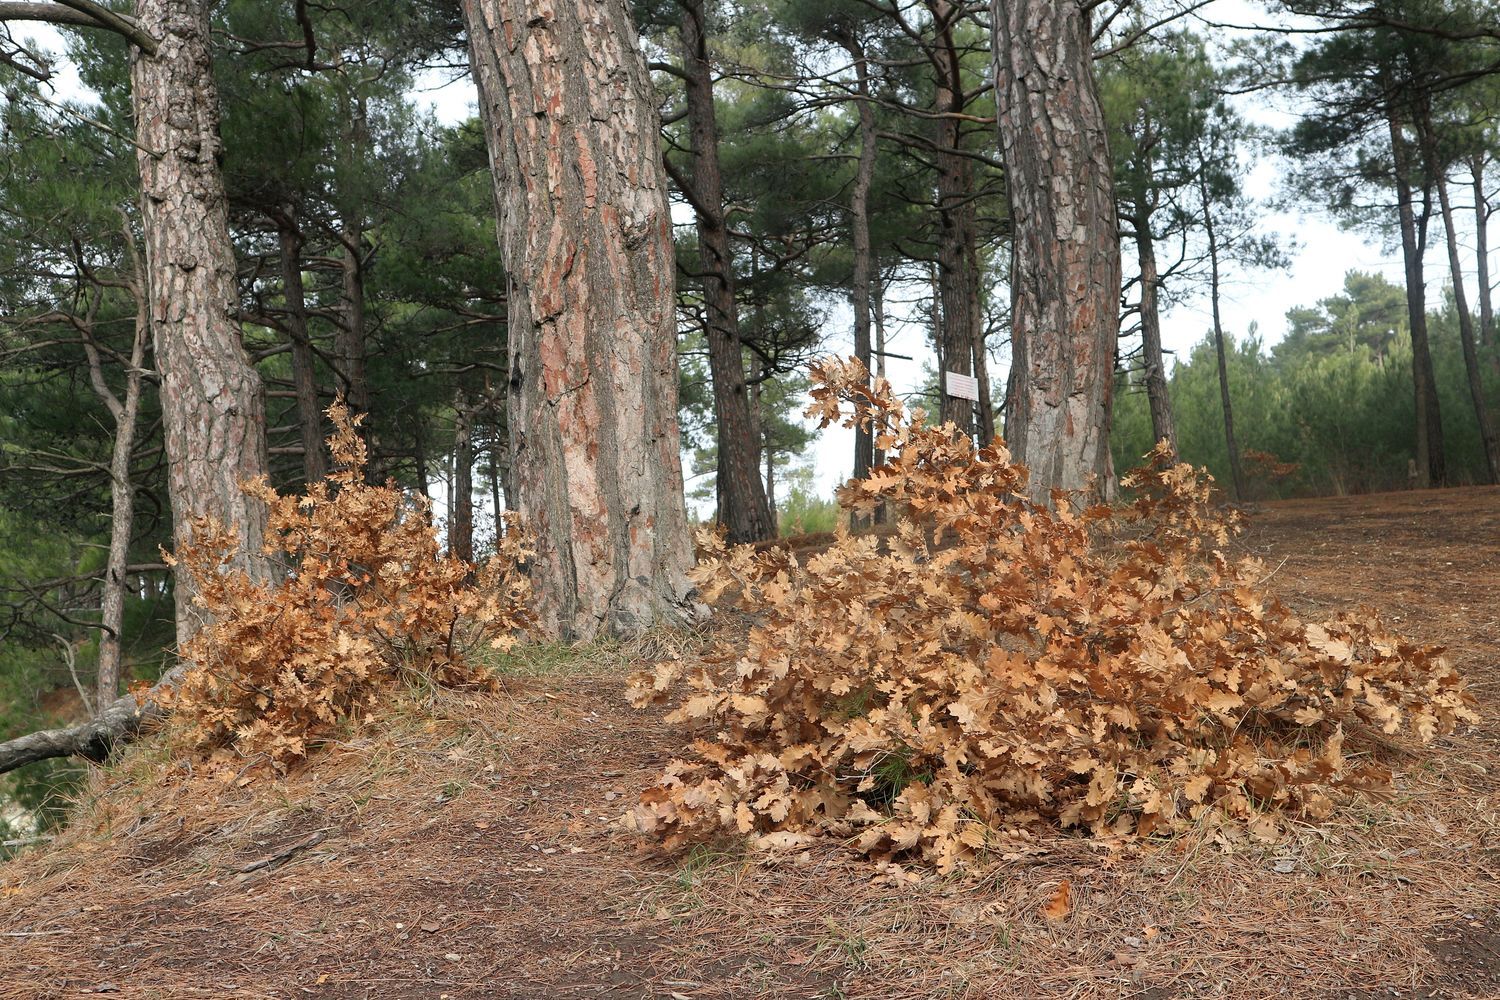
81 14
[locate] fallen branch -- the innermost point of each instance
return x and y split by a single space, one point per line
94 739
33 933
285 855
26 842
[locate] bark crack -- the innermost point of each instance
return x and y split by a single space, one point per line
568 391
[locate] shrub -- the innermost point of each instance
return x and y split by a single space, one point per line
368 596
997 664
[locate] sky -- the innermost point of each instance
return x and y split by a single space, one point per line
1321 253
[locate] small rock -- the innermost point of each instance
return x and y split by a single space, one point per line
454 956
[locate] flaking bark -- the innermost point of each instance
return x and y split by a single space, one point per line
581 196
213 410
1065 278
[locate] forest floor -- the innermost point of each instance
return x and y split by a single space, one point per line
463 848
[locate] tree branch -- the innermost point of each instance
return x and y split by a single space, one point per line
91 740
81 14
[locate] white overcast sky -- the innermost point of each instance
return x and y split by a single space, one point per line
1323 252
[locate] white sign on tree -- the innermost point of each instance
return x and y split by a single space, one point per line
962 386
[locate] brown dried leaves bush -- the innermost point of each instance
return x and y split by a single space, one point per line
368 596
995 665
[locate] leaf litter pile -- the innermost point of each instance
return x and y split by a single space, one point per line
997 665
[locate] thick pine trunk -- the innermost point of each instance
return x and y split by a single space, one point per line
213 410
1431 469
1466 329
1065 279
585 227
304 365
1163 428
743 508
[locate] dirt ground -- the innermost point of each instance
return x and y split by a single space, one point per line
466 851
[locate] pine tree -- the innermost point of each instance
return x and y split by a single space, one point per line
572 124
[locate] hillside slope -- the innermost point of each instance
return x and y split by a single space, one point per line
461 846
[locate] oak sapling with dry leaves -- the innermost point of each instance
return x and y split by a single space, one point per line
997 666
369 597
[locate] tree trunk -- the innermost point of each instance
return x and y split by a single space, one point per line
937 331
1236 471
121 524
461 527
771 485
878 315
986 405
859 225
304 366
419 460
1162 426
1065 279
1465 318
349 340
213 409
958 281
1430 465
744 509
1482 251
572 130
497 501
125 413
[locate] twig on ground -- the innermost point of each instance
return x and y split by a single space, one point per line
275 859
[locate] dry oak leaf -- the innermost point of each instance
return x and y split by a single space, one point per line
1060 904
